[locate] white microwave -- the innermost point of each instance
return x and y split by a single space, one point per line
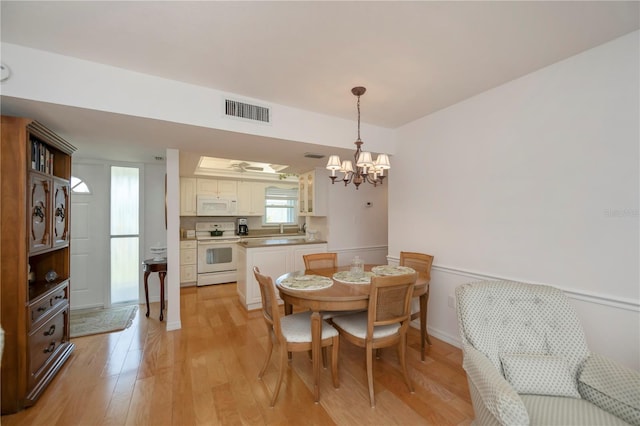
210 205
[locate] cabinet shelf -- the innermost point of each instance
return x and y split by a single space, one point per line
38 289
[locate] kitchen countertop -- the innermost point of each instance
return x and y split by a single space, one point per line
277 241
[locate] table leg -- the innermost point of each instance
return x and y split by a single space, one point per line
146 290
162 274
423 324
288 308
316 353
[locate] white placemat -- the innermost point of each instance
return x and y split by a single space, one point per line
307 282
392 270
349 278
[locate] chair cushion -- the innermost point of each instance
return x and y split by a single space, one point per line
612 387
539 374
554 410
297 328
356 325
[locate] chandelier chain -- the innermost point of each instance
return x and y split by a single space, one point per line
358 117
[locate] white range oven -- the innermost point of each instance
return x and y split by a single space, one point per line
216 253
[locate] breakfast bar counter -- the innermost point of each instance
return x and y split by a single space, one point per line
274 256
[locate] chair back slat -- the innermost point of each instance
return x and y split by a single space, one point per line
390 300
391 303
320 260
419 261
269 303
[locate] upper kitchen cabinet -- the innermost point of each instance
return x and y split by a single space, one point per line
312 194
251 198
188 193
217 187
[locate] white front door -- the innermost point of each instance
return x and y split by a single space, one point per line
90 238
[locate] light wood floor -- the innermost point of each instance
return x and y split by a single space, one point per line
206 373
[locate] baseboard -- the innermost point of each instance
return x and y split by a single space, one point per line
439 334
174 325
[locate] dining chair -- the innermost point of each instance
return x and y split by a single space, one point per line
292 333
421 263
323 261
320 260
384 324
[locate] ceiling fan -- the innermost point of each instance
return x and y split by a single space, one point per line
245 167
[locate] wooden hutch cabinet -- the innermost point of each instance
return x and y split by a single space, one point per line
35 168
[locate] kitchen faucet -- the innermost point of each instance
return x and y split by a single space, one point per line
282 228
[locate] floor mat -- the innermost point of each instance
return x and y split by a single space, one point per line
95 321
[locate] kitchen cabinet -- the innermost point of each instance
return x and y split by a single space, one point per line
313 193
35 170
188 191
272 261
217 187
251 198
188 262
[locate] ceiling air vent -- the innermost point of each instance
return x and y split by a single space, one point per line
247 111
313 155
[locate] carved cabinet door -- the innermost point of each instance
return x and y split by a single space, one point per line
60 212
40 212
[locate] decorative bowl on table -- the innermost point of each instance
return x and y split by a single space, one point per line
159 253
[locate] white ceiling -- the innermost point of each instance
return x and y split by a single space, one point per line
414 57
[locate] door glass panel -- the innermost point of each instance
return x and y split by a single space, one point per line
125 250
125 196
125 269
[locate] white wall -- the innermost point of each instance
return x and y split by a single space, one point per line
154 230
352 227
49 77
536 180
173 240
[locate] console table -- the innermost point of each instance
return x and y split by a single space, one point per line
159 266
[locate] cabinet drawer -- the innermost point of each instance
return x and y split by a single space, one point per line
44 342
188 256
188 244
188 273
40 307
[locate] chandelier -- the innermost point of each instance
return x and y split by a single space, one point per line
365 170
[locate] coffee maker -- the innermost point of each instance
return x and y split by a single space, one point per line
241 226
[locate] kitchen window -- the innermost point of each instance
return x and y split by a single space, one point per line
281 206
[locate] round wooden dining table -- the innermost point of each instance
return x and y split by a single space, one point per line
338 297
